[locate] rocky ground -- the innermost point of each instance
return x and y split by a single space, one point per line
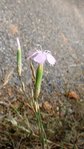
55 25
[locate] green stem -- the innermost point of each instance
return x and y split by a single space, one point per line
41 129
42 133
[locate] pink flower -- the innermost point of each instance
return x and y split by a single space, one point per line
42 56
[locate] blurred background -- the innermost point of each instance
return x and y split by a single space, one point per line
58 26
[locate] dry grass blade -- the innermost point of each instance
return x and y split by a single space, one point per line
7 77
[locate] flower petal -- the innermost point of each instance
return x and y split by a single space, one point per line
50 59
31 54
40 58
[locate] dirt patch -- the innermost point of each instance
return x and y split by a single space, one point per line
62 118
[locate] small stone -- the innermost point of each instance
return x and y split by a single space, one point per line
73 95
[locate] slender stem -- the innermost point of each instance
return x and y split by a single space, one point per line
42 133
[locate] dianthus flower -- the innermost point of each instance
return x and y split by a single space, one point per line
41 57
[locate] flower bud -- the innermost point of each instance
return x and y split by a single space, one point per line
19 58
39 74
